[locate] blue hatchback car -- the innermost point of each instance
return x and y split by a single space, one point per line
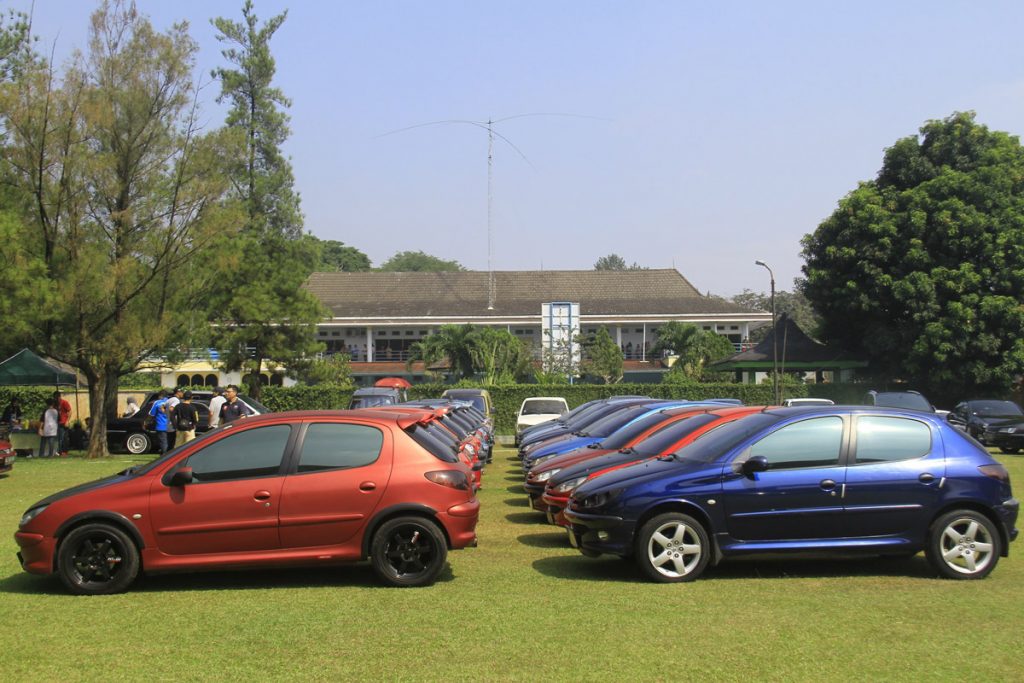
849 479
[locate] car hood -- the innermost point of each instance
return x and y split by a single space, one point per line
82 488
602 461
569 458
560 446
1001 420
668 468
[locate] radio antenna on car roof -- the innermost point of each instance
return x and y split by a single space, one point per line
488 125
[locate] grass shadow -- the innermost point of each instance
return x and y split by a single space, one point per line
517 502
580 568
615 569
545 540
516 489
525 517
356 575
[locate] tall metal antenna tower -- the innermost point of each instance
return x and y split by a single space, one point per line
488 125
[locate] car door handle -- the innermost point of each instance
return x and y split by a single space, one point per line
926 478
827 485
261 495
367 486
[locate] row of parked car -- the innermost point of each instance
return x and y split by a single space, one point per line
680 486
392 483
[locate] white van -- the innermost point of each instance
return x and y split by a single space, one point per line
538 409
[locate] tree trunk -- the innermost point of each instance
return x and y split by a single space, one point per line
98 427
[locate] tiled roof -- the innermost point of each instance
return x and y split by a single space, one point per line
517 293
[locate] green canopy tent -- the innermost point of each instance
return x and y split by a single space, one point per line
27 369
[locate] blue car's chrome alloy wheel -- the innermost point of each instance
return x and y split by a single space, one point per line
673 547
964 544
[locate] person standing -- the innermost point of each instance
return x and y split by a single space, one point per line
158 413
233 409
49 430
186 417
131 407
64 418
216 403
172 402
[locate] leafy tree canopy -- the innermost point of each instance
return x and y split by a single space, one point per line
418 261
615 262
694 347
922 269
336 257
498 355
602 357
794 304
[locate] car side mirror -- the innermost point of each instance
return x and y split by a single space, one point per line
180 477
754 464
954 419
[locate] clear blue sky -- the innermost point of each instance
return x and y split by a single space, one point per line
723 132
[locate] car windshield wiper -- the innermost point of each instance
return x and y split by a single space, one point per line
628 451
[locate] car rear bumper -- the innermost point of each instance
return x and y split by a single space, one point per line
460 522
1007 512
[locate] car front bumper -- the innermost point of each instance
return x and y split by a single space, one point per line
599 534
36 554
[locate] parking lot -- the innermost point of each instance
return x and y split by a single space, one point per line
521 606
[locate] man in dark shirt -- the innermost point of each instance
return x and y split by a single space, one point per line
233 409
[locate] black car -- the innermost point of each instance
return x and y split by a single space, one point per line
130 434
992 422
908 400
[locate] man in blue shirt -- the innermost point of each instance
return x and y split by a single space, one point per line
159 412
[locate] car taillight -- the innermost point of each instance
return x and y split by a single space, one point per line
996 472
450 478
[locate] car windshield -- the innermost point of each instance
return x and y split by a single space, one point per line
722 439
253 403
660 441
543 407
610 424
370 401
995 408
628 433
902 399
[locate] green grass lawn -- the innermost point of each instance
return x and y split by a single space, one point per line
522 606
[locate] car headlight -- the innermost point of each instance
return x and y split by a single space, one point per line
568 486
1008 430
6 451
601 499
544 476
30 515
469 449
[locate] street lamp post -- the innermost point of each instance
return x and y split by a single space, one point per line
775 338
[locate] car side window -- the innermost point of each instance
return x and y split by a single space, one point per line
244 455
808 443
888 439
332 446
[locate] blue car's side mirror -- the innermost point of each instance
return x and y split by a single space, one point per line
755 464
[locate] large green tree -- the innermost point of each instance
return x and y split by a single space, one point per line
695 348
117 193
615 262
418 261
336 257
922 268
452 344
262 313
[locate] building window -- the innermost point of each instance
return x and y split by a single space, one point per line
335 334
734 327
408 333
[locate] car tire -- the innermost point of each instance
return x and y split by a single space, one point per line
138 443
673 547
963 544
1009 450
408 552
97 559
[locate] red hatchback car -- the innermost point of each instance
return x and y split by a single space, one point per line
300 488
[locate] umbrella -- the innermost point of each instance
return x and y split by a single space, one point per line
393 383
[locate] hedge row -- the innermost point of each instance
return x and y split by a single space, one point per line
507 398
